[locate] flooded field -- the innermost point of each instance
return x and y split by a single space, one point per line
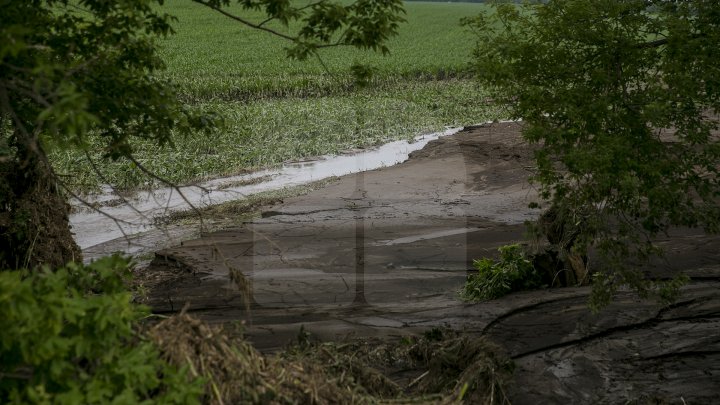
116 216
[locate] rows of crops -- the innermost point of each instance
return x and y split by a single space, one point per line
212 55
277 109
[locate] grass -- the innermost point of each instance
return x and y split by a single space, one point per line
214 57
276 109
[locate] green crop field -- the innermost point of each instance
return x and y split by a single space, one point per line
276 109
213 56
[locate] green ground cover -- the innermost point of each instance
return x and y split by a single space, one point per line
213 57
276 109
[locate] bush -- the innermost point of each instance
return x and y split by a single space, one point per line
514 272
68 338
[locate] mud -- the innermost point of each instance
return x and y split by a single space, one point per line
383 254
114 220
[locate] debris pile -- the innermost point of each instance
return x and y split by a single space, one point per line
440 367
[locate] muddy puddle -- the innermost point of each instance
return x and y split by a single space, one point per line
119 216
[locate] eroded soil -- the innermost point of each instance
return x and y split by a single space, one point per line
383 254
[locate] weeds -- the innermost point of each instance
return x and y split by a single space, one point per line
513 272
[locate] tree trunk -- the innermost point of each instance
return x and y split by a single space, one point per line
562 234
34 225
579 268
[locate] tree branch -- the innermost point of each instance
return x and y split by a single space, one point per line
653 44
267 20
664 41
172 186
246 22
33 95
104 179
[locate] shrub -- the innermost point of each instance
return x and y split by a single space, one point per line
514 272
68 338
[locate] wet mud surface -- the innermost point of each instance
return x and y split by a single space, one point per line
383 254
128 222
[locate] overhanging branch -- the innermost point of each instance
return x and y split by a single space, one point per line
654 44
664 41
246 22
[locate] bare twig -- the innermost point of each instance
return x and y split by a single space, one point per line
417 380
102 177
24 90
265 21
173 186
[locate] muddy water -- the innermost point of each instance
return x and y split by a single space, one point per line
120 217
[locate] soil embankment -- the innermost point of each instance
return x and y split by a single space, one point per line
383 253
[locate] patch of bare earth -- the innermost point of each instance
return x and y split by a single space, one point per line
378 257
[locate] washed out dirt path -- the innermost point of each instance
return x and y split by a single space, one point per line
383 253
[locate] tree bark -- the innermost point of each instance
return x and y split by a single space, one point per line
34 224
562 235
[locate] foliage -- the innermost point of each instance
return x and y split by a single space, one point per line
513 272
91 69
363 24
624 98
280 109
271 132
68 338
210 57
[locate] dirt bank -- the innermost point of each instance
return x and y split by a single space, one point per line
383 253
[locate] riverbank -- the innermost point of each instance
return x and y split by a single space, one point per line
135 223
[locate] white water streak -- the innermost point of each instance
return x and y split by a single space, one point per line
93 228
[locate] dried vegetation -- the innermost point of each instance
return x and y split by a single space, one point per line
440 367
